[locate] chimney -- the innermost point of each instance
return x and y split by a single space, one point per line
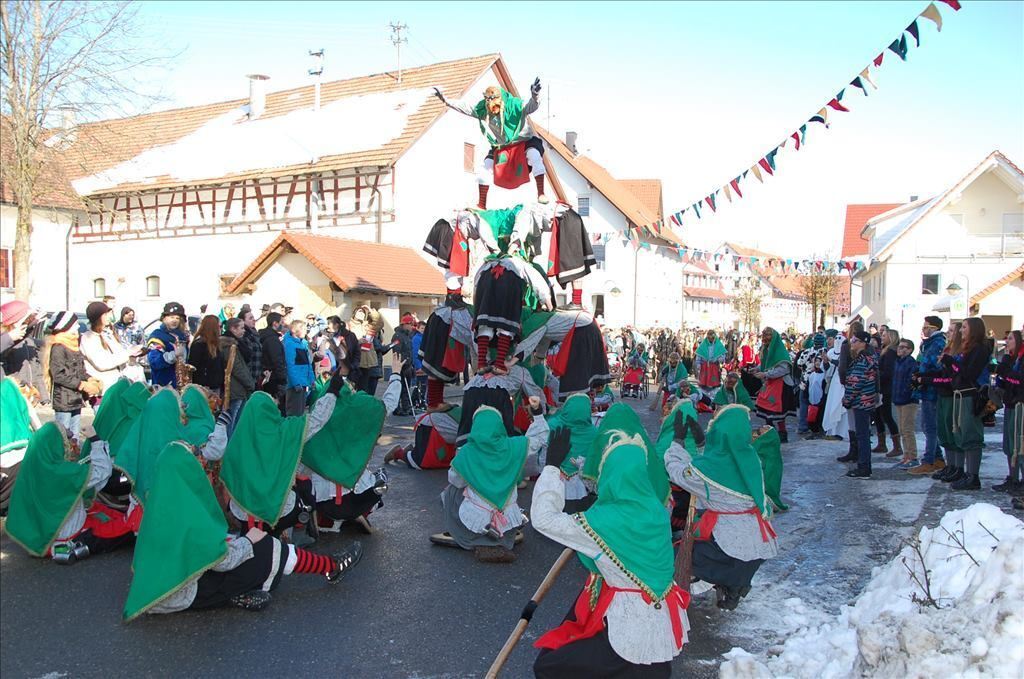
257 95
570 141
68 116
913 199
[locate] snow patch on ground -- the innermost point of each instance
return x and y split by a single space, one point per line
890 630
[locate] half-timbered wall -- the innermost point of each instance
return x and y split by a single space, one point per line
245 206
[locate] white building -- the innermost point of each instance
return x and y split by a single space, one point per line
783 303
182 201
971 235
705 301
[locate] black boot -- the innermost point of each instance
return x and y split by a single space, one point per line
967 482
942 473
849 457
955 475
1004 486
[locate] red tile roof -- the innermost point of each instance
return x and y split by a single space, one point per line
351 265
705 293
105 144
649 193
857 216
1014 275
52 187
744 251
787 287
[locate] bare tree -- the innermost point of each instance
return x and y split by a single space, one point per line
58 56
747 303
819 287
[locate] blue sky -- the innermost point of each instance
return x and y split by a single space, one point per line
691 93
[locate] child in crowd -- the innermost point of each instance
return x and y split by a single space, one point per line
904 398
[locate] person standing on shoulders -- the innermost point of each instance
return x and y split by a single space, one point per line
167 345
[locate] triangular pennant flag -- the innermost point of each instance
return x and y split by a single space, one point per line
796 138
735 184
820 117
745 173
696 209
878 59
803 134
899 47
757 172
771 158
837 106
932 12
912 30
675 219
857 82
728 193
839 97
955 4
710 200
866 75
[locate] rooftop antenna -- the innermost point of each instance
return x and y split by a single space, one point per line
397 40
318 71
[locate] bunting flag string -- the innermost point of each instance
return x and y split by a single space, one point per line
766 164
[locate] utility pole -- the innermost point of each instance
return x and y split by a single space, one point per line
318 71
397 40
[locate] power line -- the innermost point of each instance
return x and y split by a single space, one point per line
397 40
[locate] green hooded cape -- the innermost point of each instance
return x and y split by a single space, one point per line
200 422
491 461
629 523
48 488
775 353
120 407
182 533
667 433
729 460
512 118
575 414
501 223
15 428
622 419
159 424
259 464
339 452
769 448
742 396
714 353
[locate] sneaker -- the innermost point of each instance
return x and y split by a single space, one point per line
906 464
344 561
923 468
859 473
256 600
443 539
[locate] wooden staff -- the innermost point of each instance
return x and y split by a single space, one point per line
227 375
684 557
527 613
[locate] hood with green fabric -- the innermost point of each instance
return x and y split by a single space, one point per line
122 404
667 433
182 533
501 222
340 450
629 522
775 353
739 395
512 118
15 423
159 424
199 419
575 414
711 351
621 420
259 464
729 460
491 461
48 487
677 374
769 449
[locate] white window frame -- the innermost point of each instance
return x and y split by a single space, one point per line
149 292
583 211
99 287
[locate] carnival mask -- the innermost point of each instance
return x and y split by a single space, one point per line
493 101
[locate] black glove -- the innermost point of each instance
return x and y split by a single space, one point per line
696 430
558 446
679 427
437 93
946 360
535 87
336 383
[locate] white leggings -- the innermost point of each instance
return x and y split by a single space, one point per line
533 159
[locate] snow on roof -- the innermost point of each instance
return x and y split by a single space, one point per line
231 144
887 230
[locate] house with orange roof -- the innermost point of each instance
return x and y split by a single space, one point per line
957 252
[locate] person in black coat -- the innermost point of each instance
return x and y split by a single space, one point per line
273 357
206 357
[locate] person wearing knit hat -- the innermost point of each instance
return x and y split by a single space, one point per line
67 373
167 345
105 357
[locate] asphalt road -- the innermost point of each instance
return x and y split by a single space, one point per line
411 609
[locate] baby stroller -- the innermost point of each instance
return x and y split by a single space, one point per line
634 382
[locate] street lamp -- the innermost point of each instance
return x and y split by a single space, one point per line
959 298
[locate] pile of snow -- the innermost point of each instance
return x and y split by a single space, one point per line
974 562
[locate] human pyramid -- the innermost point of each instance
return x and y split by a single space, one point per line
217 507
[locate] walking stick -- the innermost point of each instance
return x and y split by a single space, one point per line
684 557
527 613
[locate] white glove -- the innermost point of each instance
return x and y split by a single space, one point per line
170 356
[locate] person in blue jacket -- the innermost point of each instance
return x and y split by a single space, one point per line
299 362
417 365
933 342
167 345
